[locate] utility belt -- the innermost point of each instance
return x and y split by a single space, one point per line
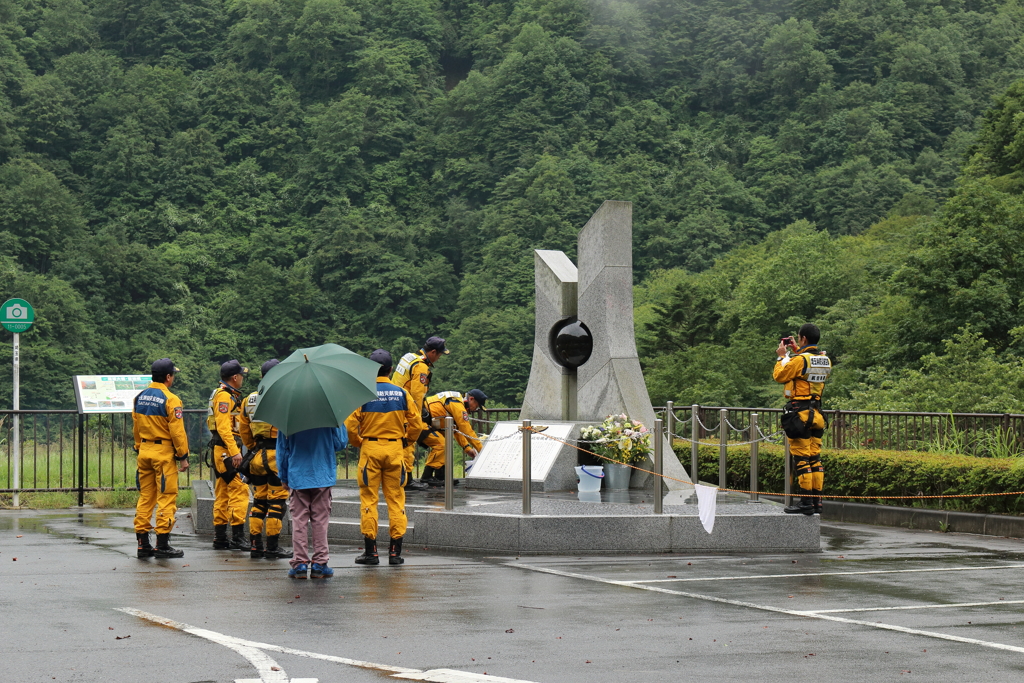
216 440
263 444
229 470
405 441
266 443
796 428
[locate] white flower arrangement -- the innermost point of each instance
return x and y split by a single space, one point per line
619 438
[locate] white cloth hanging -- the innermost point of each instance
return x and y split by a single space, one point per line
707 501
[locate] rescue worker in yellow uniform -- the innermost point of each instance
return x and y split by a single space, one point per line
230 493
270 496
803 374
382 428
162 445
413 374
458 407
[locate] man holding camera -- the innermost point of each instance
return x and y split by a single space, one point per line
230 494
803 370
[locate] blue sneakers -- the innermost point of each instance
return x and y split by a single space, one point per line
320 571
298 571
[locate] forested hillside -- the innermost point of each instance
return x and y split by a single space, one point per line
209 179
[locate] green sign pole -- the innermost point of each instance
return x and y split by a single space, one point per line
17 316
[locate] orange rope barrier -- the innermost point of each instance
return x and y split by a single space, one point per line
766 493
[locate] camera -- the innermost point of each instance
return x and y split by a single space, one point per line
788 341
17 311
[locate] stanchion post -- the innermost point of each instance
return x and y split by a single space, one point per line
449 463
527 466
659 466
723 437
694 444
788 473
754 441
670 426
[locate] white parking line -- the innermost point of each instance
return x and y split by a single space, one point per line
768 608
887 609
270 672
873 571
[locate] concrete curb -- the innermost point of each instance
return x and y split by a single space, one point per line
920 518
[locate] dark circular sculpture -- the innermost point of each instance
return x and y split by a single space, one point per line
571 343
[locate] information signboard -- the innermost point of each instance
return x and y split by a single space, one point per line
108 393
502 457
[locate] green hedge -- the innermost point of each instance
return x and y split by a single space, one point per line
868 473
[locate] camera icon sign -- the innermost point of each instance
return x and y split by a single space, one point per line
17 312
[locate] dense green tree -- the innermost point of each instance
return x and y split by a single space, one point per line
216 179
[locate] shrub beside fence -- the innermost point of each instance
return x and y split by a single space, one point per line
865 473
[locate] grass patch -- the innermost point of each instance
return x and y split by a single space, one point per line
53 500
184 497
116 499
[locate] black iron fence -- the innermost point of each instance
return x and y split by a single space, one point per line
64 451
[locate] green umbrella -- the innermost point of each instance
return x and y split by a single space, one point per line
316 387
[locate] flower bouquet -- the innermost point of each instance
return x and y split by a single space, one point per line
619 438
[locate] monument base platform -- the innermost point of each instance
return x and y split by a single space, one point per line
614 522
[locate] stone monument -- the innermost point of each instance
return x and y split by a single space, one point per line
585 364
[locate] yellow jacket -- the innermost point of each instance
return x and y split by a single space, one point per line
413 374
391 415
250 429
792 371
452 403
222 416
157 416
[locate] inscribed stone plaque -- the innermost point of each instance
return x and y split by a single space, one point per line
502 457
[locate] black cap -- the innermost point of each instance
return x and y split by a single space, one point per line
435 344
164 366
265 368
381 356
231 368
480 396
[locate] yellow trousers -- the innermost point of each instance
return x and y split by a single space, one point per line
382 464
157 478
435 442
230 498
268 504
810 475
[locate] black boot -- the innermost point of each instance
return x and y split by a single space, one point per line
220 537
804 507
163 548
395 552
238 538
256 545
369 555
274 550
817 501
145 549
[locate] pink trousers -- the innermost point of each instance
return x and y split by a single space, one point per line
310 506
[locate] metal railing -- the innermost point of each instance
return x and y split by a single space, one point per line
64 451
978 434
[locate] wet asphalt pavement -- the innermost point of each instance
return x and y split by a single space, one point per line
876 604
